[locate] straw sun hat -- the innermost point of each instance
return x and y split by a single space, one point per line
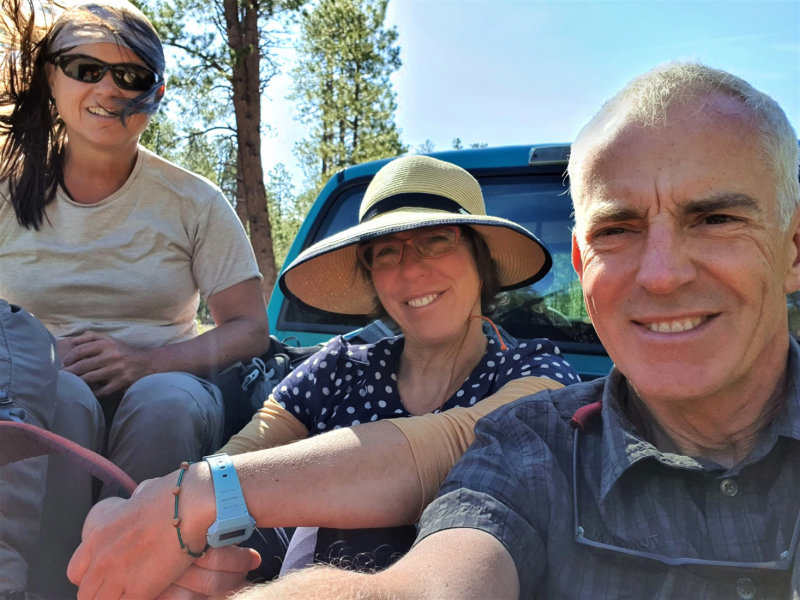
408 193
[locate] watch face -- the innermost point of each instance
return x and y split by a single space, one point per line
229 535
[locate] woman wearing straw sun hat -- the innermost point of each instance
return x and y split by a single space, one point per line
426 255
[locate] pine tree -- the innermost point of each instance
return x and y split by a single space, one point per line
342 86
221 59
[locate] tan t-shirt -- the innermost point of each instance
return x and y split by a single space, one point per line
133 265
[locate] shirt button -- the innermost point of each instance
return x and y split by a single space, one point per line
729 488
745 588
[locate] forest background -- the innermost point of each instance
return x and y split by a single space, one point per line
265 93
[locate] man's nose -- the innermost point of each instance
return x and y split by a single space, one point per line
665 263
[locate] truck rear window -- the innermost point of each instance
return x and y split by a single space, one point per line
552 307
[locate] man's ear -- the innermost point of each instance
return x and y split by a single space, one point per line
577 259
792 283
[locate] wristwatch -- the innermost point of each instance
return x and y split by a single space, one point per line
234 523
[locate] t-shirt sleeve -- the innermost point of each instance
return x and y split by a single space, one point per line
502 486
222 254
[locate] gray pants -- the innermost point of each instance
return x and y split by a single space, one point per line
161 420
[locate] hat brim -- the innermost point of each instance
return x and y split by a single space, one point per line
327 277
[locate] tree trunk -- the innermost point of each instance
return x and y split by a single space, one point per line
243 37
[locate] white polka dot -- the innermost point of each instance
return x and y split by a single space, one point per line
377 375
320 425
350 410
296 408
348 377
295 391
348 364
473 400
388 389
370 389
324 411
326 391
367 405
382 362
523 345
284 388
398 411
382 403
538 347
459 393
490 363
308 394
559 375
323 364
299 374
517 356
356 422
362 392
394 376
373 418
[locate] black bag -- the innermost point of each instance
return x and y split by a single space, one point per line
246 385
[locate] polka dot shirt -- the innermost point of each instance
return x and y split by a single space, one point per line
347 384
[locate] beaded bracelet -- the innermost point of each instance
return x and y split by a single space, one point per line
176 521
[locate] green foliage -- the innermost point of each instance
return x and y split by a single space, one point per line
342 88
283 211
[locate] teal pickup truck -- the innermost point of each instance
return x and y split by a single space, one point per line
523 183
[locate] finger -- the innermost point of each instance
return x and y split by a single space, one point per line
81 558
220 570
176 592
229 558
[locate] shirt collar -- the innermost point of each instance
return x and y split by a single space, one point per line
623 446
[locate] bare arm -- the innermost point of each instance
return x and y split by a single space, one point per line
317 481
242 331
457 564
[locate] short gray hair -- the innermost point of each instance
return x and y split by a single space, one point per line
648 97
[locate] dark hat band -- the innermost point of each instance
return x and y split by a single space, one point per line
413 200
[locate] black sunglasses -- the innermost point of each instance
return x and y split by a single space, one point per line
127 76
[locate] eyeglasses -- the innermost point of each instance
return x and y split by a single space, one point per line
783 563
386 252
127 76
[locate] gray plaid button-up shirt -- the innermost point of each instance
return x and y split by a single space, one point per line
646 506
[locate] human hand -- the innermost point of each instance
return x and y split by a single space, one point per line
216 574
130 547
105 364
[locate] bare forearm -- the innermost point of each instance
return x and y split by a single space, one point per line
214 350
319 583
349 478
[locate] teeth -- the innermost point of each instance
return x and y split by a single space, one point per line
424 301
675 326
100 111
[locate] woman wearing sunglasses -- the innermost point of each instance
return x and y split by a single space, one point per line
111 247
425 255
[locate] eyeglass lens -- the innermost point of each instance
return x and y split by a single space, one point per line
385 253
127 76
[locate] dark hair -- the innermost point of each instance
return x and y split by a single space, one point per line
31 134
484 263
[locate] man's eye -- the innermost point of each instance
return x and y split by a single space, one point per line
609 231
719 219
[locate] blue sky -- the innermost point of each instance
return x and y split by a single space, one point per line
534 71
